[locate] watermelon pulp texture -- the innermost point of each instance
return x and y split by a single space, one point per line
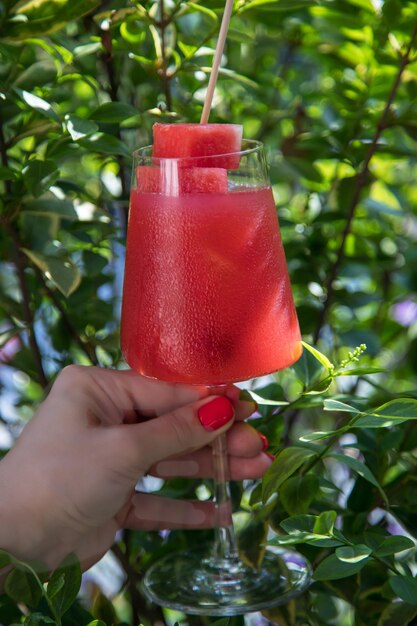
174 181
181 141
207 298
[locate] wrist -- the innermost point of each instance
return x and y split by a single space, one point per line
24 530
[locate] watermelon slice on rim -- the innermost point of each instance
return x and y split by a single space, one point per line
180 141
177 181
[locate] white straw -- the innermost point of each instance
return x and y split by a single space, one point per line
216 61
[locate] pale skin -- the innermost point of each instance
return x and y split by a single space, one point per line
68 484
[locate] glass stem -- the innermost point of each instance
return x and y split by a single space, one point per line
225 544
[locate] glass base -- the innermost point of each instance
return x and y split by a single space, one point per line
192 583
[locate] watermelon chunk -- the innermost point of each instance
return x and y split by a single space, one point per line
176 181
198 140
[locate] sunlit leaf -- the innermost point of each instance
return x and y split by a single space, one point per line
79 127
335 405
247 394
62 272
353 554
321 358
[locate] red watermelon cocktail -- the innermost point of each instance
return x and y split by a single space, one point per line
207 297
207 300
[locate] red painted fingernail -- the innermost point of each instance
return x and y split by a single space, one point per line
216 413
271 456
265 442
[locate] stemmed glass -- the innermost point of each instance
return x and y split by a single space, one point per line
207 300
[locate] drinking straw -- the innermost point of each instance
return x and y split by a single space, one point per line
216 61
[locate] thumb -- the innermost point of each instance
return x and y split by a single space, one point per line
186 428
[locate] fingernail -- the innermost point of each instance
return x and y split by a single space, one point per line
271 456
265 442
216 413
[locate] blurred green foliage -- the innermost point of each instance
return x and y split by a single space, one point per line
330 86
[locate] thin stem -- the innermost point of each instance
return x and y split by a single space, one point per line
138 606
225 546
20 264
361 180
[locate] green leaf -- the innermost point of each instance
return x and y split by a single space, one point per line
37 74
63 273
397 614
308 369
335 405
49 207
391 11
321 358
251 541
38 104
332 568
320 435
278 5
357 466
325 522
113 112
22 586
105 144
246 394
389 414
5 559
85 49
299 523
240 36
361 469
103 608
63 594
6 173
405 587
39 176
79 127
55 585
353 554
396 543
297 493
37 619
311 539
287 462
311 529
45 16
202 9
361 371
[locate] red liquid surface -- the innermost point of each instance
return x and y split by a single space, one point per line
207 298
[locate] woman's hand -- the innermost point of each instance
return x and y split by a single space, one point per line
69 482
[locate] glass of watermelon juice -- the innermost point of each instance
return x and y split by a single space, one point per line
207 300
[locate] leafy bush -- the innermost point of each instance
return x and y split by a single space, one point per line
330 86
